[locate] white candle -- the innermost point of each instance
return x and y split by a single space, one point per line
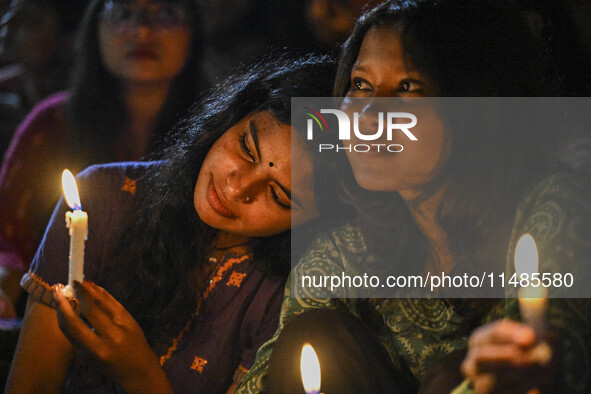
310 369
77 222
532 299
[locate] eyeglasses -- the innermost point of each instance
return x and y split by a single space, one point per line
125 16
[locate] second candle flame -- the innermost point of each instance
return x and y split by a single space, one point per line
526 255
310 369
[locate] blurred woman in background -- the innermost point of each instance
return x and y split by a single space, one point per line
136 72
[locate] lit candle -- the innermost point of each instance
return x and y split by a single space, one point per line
310 369
77 222
532 299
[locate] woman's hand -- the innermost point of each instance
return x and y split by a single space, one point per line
504 357
114 339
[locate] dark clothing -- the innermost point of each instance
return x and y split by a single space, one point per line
238 313
360 366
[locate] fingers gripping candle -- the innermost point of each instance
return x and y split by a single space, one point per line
77 223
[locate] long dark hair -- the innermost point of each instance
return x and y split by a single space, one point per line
160 252
467 49
96 109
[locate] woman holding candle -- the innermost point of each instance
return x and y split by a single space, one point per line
193 250
136 70
453 203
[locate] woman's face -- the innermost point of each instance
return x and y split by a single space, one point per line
246 186
143 40
381 71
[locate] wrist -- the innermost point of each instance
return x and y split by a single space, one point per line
149 378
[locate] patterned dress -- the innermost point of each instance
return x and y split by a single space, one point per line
237 312
418 332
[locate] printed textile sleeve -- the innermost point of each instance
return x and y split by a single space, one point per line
107 206
50 264
30 181
557 213
295 302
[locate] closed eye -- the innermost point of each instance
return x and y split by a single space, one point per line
277 199
245 148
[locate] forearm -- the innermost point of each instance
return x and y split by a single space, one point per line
43 354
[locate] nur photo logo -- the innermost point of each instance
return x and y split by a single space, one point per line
387 122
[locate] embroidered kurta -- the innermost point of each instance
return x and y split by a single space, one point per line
418 332
238 313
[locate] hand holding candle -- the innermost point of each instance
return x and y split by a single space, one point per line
310 369
77 222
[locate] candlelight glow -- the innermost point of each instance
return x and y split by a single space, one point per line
532 298
526 255
70 190
310 369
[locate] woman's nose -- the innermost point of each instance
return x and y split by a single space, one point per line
243 186
370 119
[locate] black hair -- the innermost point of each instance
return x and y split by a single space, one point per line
68 12
466 49
469 49
96 109
169 241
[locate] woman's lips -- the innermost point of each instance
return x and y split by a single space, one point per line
371 149
215 202
142 53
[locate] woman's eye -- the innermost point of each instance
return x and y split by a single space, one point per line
277 200
409 86
245 148
360 84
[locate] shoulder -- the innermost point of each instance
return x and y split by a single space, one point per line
113 183
556 198
53 104
115 172
557 213
49 114
45 123
337 251
341 244
558 185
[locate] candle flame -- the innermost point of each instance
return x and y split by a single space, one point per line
526 255
70 190
310 369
